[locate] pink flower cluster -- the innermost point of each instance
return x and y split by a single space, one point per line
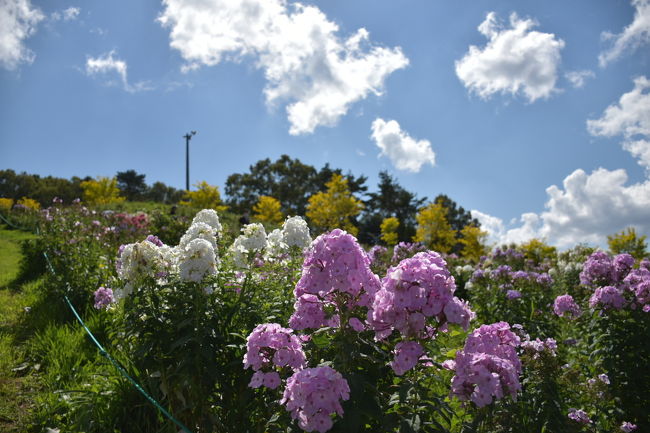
418 288
601 270
335 275
566 304
407 354
404 250
614 279
536 347
488 366
312 395
269 346
638 282
609 297
103 298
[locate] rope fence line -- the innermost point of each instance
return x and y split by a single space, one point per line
101 349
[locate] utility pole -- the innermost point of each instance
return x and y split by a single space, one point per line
188 137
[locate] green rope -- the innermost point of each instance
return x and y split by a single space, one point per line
119 368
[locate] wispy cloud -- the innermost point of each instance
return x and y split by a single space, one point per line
108 65
579 78
632 37
18 21
69 14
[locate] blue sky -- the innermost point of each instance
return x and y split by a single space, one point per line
491 103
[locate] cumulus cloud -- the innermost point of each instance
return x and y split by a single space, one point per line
629 118
108 65
307 66
405 152
632 37
515 60
18 21
578 78
587 208
68 14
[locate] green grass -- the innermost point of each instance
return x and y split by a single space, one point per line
18 378
10 253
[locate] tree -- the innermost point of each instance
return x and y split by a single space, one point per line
267 210
391 200
389 228
206 196
456 215
627 241
162 193
458 218
103 190
433 229
473 241
288 180
538 250
131 184
335 207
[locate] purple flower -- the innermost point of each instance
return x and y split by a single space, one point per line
404 250
312 395
103 297
604 378
376 252
566 304
488 366
598 270
628 427
270 346
537 346
407 354
623 264
356 324
609 297
545 279
336 274
579 415
154 240
418 288
513 294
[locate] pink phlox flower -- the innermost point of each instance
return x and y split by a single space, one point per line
312 395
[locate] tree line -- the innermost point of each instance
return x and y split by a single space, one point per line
287 180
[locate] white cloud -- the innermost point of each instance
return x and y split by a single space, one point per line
108 65
632 37
307 66
629 118
18 21
68 14
578 78
405 152
587 208
516 59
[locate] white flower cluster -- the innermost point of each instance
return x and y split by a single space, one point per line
253 240
295 232
275 246
209 217
193 259
145 259
198 230
197 260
